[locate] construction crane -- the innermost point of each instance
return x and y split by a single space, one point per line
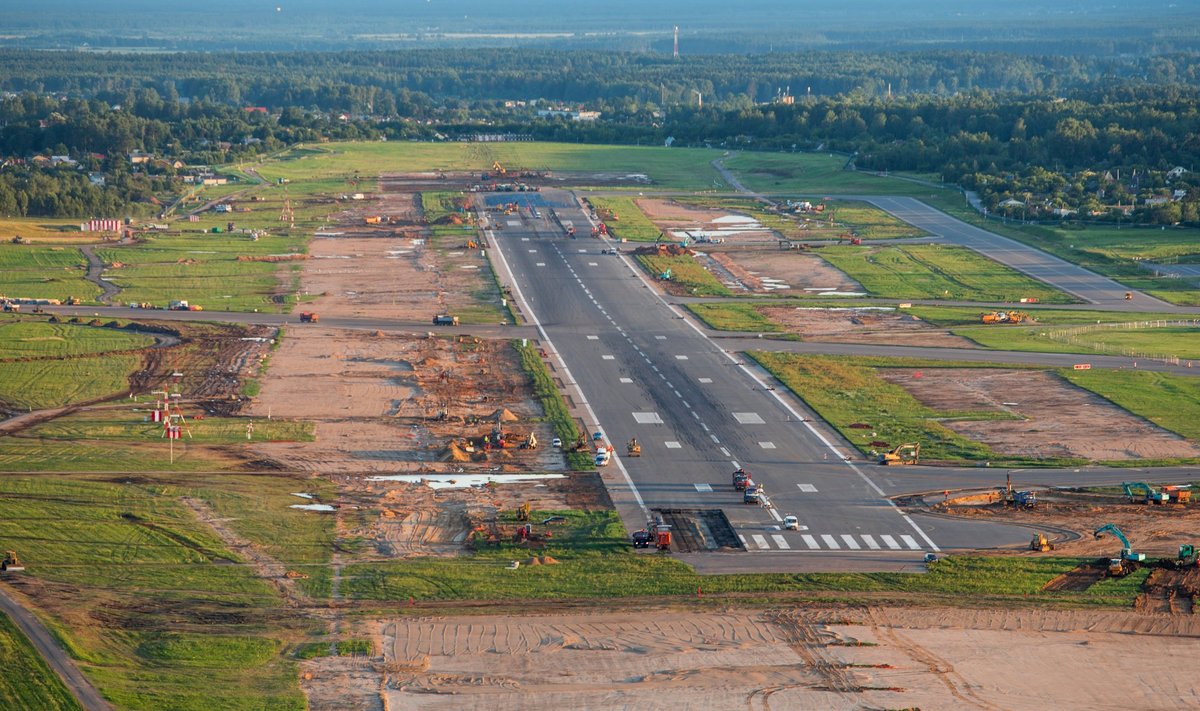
1151 495
1128 560
902 454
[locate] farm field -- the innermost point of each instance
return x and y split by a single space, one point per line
576 164
936 272
995 414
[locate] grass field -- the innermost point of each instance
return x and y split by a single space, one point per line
203 269
27 682
1106 250
146 597
39 339
630 223
1169 401
677 168
43 230
38 384
37 272
595 561
735 317
844 392
132 424
686 272
813 175
1037 336
936 272
547 393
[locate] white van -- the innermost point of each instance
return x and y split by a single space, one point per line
602 458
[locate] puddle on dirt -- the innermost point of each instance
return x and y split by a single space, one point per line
463 481
313 507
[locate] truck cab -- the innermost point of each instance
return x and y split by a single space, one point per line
445 320
752 494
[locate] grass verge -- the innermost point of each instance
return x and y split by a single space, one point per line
687 275
553 405
28 682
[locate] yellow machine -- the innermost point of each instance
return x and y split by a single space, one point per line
1005 317
1040 543
633 449
523 512
498 168
903 454
11 562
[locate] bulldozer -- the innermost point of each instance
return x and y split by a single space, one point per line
633 449
11 563
902 454
1040 543
1013 317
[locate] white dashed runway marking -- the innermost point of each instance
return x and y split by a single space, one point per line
748 418
647 418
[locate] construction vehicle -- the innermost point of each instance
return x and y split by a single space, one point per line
373 220
741 479
530 442
1187 557
571 232
641 539
523 512
1179 494
73 301
498 169
1024 499
852 239
665 276
11 563
1150 496
752 494
633 449
10 307
1129 296
1040 543
1013 317
1127 561
309 317
445 320
662 538
295 575
902 454
183 305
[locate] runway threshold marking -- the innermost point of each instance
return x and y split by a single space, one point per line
704 487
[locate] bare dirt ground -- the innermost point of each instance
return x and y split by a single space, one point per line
789 659
1055 417
385 403
849 325
668 213
389 270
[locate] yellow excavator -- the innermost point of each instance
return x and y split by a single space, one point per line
633 449
903 454
498 169
523 512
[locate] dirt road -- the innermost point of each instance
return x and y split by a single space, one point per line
44 643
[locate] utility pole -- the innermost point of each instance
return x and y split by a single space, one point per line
699 99
675 52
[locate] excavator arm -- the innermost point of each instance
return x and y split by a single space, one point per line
1112 528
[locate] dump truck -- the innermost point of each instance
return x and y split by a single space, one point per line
309 317
741 479
445 320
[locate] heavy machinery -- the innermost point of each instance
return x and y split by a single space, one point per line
11 563
662 537
741 479
1150 494
665 276
1005 317
1127 561
1188 556
1023 499
641 539
1178 494
309 317
523 512
633 449
498 169
852 239
1040 543
902 454
1129 296
752 494
445 320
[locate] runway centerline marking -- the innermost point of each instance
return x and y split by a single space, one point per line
609 357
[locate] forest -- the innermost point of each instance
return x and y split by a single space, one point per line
1004 125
